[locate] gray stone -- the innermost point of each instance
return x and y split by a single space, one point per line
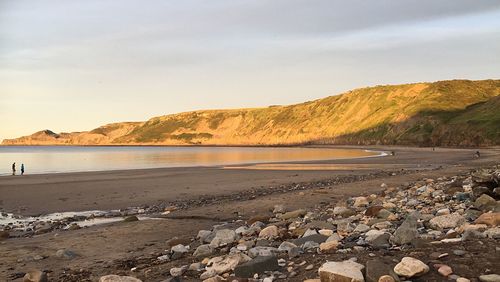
318 238
446 221
485 203
407 232
117 278
257 265
203 251
66 254
223 237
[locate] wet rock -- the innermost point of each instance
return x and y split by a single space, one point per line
269 232
489 278
446 221
117 278
341 271
130 218
411 267
223 237
257 265
66 254
376 269
407 231
490 218
35 276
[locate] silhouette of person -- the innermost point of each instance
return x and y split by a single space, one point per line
14 168
22 169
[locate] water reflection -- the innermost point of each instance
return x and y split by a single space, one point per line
46 159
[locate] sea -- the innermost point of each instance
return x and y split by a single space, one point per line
60 159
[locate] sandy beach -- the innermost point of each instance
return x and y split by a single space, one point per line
210 195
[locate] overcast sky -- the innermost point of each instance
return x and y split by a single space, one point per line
75 65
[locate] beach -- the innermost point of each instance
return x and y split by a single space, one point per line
202 197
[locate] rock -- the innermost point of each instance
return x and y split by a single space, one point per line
262 251
406 232
343 212
360 202
259 218
471 234
117 278
348 271
329 247
485 203
205 276
223 237
310 232
293 214
361 228
269 232
203 251
219 265
286 246
310 246
215 279
66 254
446 221
493 233
443 212
387 278
279 209
410 267
257 265
205 236
373 210
376 269
178 271
490 218
130 218
180 249
489 278
35 276
317 238
445 270
326 232
377 238
461 279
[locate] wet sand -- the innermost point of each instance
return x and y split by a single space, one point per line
111 248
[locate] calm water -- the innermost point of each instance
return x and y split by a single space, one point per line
51 159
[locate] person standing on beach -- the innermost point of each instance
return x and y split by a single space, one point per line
22 169
14 169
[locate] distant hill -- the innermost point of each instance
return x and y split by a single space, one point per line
444 113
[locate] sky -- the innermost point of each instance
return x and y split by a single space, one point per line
76 65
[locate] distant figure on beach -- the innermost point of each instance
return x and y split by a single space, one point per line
477 154
433 149
22 169
393 153
14 169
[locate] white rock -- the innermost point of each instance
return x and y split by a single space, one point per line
446 221
410 267
223 237
341 271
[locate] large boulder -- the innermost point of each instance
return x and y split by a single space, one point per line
486 203
411 267
257 265
343 271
